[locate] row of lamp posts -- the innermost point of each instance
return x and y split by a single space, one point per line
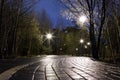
81 45
49 36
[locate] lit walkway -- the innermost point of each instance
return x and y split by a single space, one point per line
68 68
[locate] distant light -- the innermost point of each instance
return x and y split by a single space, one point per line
88 43
81 41
85 46
61 49
76 49
66 31
82 19
49 36
64 44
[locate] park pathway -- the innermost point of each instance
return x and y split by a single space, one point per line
68 68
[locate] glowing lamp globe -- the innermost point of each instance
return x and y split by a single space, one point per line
49 36
81 41
82 19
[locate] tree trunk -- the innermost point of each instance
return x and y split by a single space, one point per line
92 37
1 14
101 27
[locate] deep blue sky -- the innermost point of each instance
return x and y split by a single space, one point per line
53 9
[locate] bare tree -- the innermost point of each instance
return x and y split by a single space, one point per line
11 12
1 17
95 11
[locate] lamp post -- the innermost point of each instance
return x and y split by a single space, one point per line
81 41
88 43
85 50
82 20
76 51
49 36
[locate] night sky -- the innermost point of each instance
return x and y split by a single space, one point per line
53 9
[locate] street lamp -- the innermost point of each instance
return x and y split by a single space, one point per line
49 36
85 46
88 43
82 19
60 49
76 51
81 41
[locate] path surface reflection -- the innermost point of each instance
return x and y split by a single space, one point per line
55 67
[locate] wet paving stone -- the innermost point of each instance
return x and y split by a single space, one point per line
52 78
68 68
65 78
